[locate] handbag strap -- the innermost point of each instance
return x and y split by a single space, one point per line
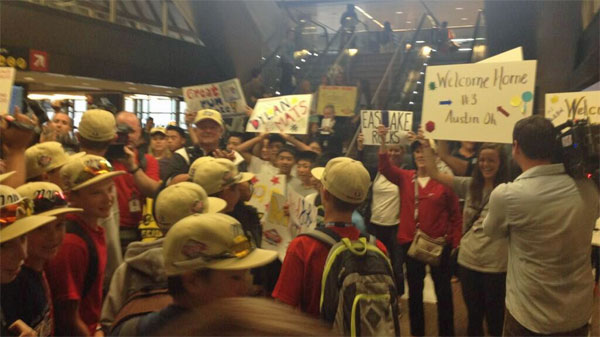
476 215
417 224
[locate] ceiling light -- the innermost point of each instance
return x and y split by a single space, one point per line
459 8
352 51
132 88
399 12
409 22
464 49
464 19
29 78
297 67
419 82
415 92
426 50
411 103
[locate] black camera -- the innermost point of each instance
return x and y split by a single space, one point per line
580 148
116 149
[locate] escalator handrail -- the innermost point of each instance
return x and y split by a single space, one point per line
475 33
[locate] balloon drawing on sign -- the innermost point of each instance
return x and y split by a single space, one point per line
432 85
554 99
527 97
430 126
515 101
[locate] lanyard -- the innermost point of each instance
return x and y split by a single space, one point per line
338 224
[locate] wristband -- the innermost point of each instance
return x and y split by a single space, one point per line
134 170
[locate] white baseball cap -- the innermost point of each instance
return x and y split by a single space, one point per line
211 241
345 178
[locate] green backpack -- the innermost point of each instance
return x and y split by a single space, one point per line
358 293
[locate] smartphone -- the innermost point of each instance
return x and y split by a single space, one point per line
16 99
385 118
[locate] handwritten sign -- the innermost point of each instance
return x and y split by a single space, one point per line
477 102
564 106
287 114
343 99
276 232
302 213
7 78
225 97
399 123
264 186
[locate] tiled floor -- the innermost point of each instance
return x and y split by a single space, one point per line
460 315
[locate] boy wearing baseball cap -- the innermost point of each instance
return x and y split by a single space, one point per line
28 297
345 183
76 273
143 266
44 160
16 223
207 257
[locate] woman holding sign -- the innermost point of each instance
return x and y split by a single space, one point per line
482 259
429 214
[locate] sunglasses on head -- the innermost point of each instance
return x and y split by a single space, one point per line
13 212
43 203
89 172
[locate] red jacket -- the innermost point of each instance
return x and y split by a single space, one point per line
439 213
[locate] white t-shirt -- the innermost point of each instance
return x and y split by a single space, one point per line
259 166
385 207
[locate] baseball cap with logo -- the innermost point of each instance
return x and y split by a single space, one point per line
83 171
15 215
209 114
44 157
180 200
345 178
215 174
98 125
47 198
211 241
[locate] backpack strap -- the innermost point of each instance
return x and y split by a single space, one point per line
92 269
324 234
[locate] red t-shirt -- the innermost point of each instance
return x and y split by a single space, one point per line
299 282
439 212
66 272
127 190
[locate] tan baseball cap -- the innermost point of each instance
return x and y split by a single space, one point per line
180 200
345 178
23 226
45 157
158 130
15 215
83 171
98 125
209 114
6 175
48 199
212 241
215 174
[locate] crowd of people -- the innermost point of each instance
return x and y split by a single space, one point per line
146 230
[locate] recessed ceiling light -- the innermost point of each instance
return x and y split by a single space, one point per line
464 19
459 8
28 78
399 12
169 92
132 88
409 22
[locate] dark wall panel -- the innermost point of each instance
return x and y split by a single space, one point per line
86 47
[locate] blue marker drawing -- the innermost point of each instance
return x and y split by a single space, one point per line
448 102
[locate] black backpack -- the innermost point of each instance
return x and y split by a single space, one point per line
358 293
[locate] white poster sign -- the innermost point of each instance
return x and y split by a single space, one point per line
288 114
303 214
264 186
564 106
7 78
225 97
276 230
478 102
399 123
